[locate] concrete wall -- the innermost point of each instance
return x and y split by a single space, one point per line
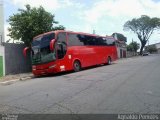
15 62
1 50
131 54
157 45
2 38
1 23
158 51
121 49
2 66
158 48
121 52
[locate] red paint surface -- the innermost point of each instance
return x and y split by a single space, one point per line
87 55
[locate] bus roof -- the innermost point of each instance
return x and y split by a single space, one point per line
43 34
57 31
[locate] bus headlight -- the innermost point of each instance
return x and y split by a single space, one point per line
52 66
33 67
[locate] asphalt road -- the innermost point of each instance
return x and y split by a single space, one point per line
129 85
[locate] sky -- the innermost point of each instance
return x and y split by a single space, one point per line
103 16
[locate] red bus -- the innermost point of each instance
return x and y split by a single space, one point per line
59 51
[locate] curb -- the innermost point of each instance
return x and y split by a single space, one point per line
9 82
25 78
15 80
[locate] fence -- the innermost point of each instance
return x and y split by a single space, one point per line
15 62
131 54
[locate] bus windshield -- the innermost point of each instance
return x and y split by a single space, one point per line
41 49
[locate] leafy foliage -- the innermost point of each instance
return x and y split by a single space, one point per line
143 27
151 48
120 37
133 46
129 48
29 22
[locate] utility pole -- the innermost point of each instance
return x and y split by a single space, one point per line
94 32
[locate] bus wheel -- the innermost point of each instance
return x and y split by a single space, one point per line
76 66
109 61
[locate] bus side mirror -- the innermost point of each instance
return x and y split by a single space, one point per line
25 51
52 45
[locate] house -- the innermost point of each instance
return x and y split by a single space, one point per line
121 45
121 49
158 47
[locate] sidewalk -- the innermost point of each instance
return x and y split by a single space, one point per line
13 78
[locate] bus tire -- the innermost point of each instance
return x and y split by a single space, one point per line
109 61
76 66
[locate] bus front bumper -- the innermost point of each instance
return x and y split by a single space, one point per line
44 71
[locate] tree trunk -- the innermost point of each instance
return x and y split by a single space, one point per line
141 50
142 46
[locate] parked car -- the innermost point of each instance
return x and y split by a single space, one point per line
145 53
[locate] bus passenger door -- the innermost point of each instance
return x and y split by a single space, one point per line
61 47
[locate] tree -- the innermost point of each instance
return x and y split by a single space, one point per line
130 48
151 48
119 36
133 46
143 27
29 22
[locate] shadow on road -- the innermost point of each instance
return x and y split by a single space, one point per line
70 72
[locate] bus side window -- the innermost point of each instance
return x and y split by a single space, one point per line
61 45
75 39
101 41
110 42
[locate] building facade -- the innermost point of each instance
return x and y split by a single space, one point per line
121 49
2 58
1 23
121 45
158 47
